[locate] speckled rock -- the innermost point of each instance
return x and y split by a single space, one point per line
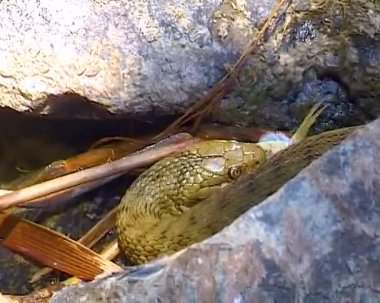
155 57
329 52
314 240
128 56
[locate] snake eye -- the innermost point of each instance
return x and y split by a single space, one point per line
235 172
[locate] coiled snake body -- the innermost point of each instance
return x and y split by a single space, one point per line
180 199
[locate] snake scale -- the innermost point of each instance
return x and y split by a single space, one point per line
193 194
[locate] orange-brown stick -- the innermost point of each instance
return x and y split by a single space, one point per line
92 174
52 248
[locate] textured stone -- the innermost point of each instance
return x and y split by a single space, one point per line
155 57
129 56
314 240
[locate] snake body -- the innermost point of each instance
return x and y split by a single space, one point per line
174 185
189 196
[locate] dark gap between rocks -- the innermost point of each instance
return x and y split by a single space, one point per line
29 141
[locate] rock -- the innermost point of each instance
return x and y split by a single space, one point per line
344 68
89 59
340 111
128 56
314 240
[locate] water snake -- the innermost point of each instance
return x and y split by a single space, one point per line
189 196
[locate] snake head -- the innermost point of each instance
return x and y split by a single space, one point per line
228 158
216 163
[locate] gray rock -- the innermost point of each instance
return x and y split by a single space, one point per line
337 42
314 240
129 56
155 57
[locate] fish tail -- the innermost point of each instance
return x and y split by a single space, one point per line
307 122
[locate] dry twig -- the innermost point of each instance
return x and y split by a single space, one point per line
206 104
92 174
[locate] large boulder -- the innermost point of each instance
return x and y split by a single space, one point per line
314 240
155 57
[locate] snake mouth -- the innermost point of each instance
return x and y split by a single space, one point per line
223 185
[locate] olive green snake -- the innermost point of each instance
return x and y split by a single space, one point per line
191 195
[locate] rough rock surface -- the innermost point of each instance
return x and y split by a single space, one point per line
128 56
139 57
314 240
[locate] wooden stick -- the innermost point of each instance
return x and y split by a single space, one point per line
95 173
91 237
52 248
